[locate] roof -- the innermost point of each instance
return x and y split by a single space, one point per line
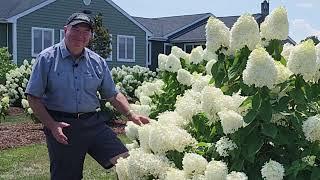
160 27
199 33
14 7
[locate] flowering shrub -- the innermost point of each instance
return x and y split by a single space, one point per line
128 79
16 82
246 107
4 106
6 64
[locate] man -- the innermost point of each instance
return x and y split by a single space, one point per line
62 92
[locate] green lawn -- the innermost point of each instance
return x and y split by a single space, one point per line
31 162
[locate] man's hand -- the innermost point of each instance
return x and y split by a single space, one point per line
56 130
138 119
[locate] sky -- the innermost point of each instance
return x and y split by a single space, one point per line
303 19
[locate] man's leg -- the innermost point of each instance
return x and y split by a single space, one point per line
66 161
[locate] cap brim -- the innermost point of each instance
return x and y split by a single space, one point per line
80 21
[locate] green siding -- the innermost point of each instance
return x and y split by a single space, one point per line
3 35
55 14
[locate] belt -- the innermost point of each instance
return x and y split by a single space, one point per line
80 115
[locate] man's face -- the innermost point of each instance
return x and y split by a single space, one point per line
78 36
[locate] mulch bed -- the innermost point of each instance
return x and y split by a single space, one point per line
21 134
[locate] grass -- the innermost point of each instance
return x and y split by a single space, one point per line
32 162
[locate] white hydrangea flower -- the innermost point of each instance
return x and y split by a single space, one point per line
184 77
142 164
209 66
237 176
272 170
279 119
163 138
187 106
260 69
5 100
283 73
208 55
29 110
144 110
276 25
132 146
224 145
286 51
211 102
303 60
310 160
217 34
25 103
245 32
122 169
162 61
144 133
173 64
198 177
216 170
311 128
175 174
149 88
131 130
200 82
171 117
194 164
179 53
230 121
145 100
196 56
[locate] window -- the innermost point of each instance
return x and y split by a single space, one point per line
42 38
61 34
109 58
126 48
189 46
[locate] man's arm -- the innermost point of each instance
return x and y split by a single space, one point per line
42 114
120 102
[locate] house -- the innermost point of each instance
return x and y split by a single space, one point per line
29 26
186 32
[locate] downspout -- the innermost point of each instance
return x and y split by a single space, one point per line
8 36
147 49
14 41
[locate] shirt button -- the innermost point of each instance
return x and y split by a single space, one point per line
76 77
77 89
79 102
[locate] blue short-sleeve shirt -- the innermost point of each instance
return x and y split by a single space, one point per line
69 85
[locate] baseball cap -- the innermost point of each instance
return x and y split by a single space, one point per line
77 18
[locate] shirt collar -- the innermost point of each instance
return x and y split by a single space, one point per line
65 52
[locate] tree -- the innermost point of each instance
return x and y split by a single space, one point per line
101 41
314 38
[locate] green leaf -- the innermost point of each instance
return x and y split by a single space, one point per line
315 175
250 116
253 144
256 102
266 111
269 130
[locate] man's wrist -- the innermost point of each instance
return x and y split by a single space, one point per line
129 113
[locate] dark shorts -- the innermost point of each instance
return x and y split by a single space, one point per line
88 135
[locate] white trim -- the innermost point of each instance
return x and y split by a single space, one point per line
148 33
41 5
149 53
32 38
14 42
194 22
8 36
60 34
134 48
110 46
164 47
